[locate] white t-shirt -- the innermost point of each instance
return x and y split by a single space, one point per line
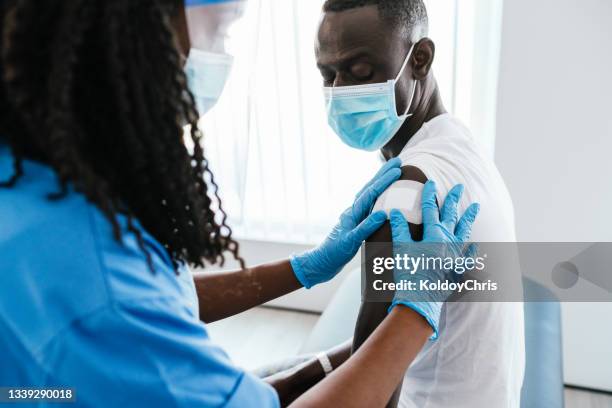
478 360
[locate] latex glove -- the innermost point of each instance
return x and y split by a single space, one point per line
323 263
444 235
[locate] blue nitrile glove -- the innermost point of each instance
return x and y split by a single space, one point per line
321 264
443 237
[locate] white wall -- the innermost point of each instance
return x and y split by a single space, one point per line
554 147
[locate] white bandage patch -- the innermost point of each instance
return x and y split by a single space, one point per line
403 195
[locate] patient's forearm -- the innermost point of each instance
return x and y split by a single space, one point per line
225 294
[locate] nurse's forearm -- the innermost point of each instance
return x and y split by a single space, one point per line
225 294
370 316
369 377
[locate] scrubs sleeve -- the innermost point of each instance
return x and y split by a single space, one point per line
150 353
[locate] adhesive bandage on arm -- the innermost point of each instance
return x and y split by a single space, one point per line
403 195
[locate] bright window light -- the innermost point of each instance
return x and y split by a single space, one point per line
283 174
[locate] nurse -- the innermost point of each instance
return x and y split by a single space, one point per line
102 208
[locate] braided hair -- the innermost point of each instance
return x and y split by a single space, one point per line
96 90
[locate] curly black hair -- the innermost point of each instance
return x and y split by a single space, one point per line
96 90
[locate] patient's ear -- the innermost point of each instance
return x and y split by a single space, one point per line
423 57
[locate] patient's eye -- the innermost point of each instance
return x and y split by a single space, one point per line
362 71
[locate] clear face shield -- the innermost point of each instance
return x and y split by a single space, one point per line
208 65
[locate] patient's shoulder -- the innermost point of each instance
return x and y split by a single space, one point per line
413 173
403 195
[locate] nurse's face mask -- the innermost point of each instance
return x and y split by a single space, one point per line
208 65
365 116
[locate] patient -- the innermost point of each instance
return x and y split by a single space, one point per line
478 359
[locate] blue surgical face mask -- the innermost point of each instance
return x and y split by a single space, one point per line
365 116
207 74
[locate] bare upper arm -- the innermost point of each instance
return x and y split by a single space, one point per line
372 314
384 233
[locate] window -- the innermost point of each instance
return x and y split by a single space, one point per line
283 174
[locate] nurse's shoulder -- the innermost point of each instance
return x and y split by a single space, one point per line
79 308
59 260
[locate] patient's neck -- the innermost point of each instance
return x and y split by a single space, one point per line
429 106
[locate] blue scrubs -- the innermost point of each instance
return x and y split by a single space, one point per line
80 310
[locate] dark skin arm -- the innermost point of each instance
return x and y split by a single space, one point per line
236 292
292 383
389 350
356 379
372 314
368 377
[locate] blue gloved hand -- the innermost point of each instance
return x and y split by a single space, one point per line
323 263
443 237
